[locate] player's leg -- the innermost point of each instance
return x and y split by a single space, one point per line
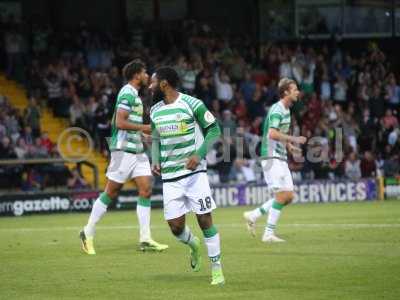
252 215
213 244
99 208
283 197
118 172
143 211
281 200
202 203
175 209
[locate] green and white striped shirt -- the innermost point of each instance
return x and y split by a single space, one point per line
177 130
279 118
127 140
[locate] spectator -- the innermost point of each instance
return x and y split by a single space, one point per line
248 87
32 117
352 167
256 106
240 109
11 175
31 181
205 90
271 93
76 181
188 78
391 166
54 91
326 92
64 104
389 120
21 149
28 136
340 90
228 124
368 165
393 93
223 88
103 124
13 127
76 113
285 68
376 102
46 142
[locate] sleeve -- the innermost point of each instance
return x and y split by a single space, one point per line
275 120
203 116
155 145
126 101
213 132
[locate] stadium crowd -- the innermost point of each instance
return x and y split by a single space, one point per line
349 106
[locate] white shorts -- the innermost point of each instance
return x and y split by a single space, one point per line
277 175
125 166
191 193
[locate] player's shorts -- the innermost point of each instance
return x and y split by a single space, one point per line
125 166
277 175
188 194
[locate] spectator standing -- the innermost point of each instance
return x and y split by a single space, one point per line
32 117
352 167
368 165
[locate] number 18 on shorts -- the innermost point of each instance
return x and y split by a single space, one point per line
188 194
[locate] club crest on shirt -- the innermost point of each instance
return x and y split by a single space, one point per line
139 109
208 116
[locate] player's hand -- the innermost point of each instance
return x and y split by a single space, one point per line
156 169
300 140
146 128
193 162
296 151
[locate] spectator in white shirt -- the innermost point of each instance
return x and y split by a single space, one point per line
352 167
223 88
326 91
340 88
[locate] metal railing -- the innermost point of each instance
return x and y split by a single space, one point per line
44 161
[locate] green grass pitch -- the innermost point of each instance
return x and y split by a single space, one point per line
333 251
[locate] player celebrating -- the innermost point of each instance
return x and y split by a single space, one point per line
274 160
183 129
128 160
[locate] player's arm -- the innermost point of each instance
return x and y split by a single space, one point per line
122 122
276 135
211 132
155 150
293 149
273 133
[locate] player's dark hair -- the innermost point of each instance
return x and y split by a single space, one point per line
284 86
169 74
132 68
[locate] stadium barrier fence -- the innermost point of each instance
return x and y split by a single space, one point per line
46 161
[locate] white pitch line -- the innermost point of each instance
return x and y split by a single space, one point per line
232 225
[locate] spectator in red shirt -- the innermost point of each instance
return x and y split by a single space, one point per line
240 110
46 142
368 165
389 121
314 104
255 127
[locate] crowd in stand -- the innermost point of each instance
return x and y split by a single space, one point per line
21 138
349 106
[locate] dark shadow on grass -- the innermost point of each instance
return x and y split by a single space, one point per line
186 277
